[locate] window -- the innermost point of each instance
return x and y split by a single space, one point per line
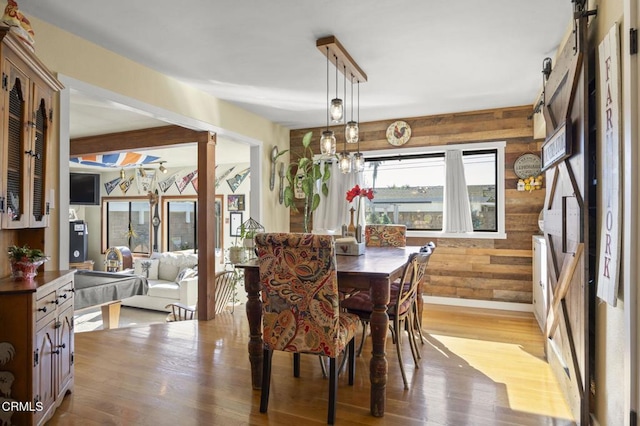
409 188
127 223
181 224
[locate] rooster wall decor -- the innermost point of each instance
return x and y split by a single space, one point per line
398 133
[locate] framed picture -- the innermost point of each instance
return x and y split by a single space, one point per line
234 223
235 203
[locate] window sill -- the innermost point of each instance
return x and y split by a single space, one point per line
466 236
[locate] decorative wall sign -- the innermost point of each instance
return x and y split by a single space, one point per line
527 165
235 181
611 180
557 147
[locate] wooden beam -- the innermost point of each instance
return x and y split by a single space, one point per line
332 47
154 137
568 269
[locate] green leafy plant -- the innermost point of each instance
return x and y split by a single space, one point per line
304 174
25 254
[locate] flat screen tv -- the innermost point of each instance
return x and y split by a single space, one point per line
84 188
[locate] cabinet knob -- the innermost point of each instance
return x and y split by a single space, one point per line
63 296
62 346
43 309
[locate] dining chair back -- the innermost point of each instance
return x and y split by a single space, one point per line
402 305
385 235
301 310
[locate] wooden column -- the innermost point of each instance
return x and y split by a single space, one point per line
206 226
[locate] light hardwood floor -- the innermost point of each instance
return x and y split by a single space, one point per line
478 367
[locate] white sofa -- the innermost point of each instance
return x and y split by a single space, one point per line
166 285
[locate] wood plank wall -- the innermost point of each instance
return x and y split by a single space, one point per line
484 269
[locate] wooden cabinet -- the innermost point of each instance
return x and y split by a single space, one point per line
36 345
25 121
540 295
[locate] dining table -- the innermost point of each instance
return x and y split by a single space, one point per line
373 271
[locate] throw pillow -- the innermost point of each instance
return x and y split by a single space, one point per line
186 273
148 268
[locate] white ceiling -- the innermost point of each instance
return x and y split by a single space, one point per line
422 57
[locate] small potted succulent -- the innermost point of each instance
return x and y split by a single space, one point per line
25 262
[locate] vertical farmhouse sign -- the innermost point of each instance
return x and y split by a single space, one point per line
609 127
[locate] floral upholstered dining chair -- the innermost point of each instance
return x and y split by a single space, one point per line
385 235
301 310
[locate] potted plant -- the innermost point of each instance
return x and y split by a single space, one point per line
304 174
237 249
25 261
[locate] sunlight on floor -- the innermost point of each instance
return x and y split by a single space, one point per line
511 369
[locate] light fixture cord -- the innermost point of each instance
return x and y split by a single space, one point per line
327 88
335 56
344 87
358 114
351 97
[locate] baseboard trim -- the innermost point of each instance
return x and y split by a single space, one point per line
484 304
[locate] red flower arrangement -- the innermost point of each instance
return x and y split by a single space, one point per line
359 193
356 191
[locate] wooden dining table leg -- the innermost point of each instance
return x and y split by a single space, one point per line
254 316
378 367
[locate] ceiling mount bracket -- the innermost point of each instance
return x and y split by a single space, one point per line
344 62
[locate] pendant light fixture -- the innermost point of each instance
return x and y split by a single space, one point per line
345 157
328 139
337 106
351 129
334 51
358 157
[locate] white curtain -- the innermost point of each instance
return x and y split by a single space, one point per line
333 211
457 211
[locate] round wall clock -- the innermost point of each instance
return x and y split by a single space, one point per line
398 133
527 165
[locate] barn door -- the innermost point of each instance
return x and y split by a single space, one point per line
566 226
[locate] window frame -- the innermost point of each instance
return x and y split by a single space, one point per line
104 217
164 228
498 146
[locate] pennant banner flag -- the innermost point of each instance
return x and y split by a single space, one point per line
126 184
224 175
166 184
182 183
109 186
194 182
235 181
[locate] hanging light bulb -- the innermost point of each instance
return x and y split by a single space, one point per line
337 108
328 139
328 143
358 162
351 129
344 162
122 174
162 168
358 157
